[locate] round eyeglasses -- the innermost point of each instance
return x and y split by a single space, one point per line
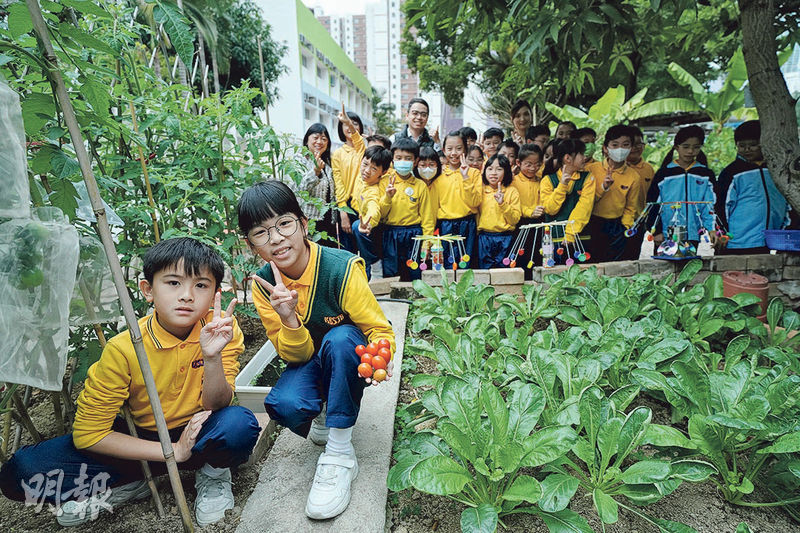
286 226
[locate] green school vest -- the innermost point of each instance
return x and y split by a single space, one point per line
331 274
571 199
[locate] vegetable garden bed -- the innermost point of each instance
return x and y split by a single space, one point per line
598 404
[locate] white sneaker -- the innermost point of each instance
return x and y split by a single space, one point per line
76 513
318 434
330 492
376 271
214 495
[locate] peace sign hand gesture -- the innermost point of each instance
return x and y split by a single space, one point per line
464 168
499 195
390 189
218 333
608 181
282 300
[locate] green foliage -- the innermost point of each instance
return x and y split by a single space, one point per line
583 351
383 114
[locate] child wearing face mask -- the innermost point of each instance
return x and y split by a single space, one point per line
405 209
428 168
616 196
588 136
498 213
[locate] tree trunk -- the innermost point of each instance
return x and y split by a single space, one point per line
774 103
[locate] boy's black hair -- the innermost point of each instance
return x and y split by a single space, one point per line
456 134
319 128
504 163
508 143
380 156
560 149
617 131
418 100
494 132
474 147
440 153
196 257
519 104
406 145
427 153
355 118
529 149
580 132
468 133
266 200
636 131
378 138
535 131
747 131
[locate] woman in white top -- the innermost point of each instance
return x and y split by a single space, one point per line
317 181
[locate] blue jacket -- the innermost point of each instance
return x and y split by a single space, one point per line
752 203
674 184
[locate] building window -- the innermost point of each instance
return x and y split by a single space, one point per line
305 61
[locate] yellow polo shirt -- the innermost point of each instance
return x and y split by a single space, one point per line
458 196
646 173
346 167
366 202
177 367
621 200
295 345
410 205
528 190
494 217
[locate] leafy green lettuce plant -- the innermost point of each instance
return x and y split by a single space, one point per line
739 418
475 454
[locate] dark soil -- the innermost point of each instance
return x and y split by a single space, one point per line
139 516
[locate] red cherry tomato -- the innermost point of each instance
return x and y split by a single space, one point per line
386 354
364 370
378 362
372 348
360 349
366 358
384 343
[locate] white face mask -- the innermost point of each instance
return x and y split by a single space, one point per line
427 172
618 154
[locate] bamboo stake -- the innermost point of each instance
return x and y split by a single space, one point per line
113 259
6 432
56 399
146 176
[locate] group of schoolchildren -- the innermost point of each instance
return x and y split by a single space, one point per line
485 190
316 307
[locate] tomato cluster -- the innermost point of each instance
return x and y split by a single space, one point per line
374 358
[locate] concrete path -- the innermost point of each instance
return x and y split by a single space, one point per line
279 499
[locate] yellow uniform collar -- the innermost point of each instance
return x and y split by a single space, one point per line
163 339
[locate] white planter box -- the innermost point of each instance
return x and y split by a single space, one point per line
249 395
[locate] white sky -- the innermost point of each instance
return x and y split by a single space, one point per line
339 7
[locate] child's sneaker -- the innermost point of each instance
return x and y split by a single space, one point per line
319 432
214 495
76 513
330 492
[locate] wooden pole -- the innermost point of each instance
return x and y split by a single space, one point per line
113 259
146 176
24 417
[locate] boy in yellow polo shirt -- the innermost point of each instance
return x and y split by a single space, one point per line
406 210
316 307
617 196
345 165
193 352
646 173
366 201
